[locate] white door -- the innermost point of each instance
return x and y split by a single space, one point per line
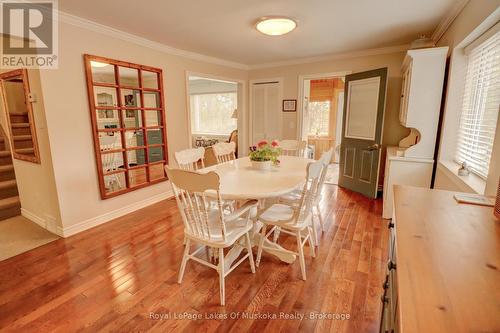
305 110
266 111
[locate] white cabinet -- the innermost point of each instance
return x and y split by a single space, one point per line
412 161
423 75
403 171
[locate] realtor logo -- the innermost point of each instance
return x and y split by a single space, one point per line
29 34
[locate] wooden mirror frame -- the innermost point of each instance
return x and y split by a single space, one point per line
34 153
126 170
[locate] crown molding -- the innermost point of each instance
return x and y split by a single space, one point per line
448 19
112 32
334 56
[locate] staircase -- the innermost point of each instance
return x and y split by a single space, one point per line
9 197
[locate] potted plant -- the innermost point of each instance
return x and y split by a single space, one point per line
263 155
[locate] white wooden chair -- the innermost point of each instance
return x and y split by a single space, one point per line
108 143
293 198
224 151
206 226
294 219
292 147
187 159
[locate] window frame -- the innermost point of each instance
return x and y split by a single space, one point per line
122 114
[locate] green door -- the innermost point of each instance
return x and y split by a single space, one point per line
363 122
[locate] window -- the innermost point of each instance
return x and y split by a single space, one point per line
319 118
213 113
128 121
481 100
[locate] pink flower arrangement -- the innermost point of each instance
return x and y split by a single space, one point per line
262 143
263 151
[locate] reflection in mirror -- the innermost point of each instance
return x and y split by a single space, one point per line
150 80
132 118
19 113
153 118
155 154
151 100
129 77
105 96
134 139
109 141
137 176
136 157
155 136
102 72
156 171
114 182
111 162
108 119
131 98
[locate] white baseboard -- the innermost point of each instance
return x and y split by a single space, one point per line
98 220
48 223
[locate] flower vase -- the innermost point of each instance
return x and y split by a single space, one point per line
261 165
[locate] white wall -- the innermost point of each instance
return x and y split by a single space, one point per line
69 125
473 14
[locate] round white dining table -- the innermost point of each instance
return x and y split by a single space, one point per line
239 181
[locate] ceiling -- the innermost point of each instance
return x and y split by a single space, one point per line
225 28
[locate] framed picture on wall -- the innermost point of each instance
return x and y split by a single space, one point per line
289 105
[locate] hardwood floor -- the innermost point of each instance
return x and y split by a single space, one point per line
122 276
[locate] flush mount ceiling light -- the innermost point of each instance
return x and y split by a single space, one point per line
275 25
98 64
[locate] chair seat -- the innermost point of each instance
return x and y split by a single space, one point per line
280 215
234 230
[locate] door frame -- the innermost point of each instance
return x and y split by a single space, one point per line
300 99
241 106
280 81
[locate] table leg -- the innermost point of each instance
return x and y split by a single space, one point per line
269 247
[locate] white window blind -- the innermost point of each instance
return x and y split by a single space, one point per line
480 106
212 113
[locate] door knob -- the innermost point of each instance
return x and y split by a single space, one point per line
373 147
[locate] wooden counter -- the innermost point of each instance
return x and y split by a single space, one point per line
448 263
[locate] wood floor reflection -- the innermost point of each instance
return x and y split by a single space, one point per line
121 277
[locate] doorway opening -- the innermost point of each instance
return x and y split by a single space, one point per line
20 164
321 123
215 113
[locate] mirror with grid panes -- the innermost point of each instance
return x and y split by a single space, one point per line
128 120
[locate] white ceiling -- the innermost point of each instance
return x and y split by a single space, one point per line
225 28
